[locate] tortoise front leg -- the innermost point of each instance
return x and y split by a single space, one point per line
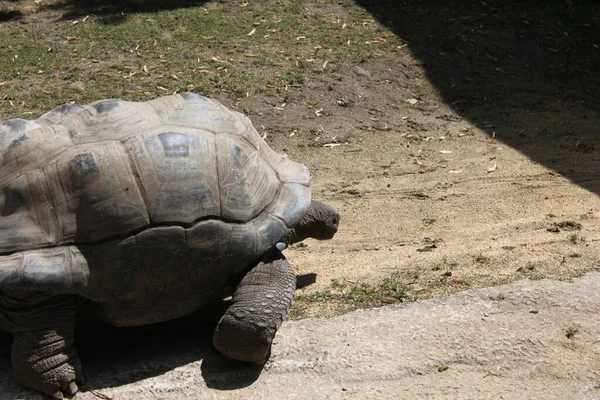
43 331
260 303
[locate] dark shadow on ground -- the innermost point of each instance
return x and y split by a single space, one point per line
114 356
9 15
118 356
114 12
527 71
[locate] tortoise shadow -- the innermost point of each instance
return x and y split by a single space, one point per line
113 356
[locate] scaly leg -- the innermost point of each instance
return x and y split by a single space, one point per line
260 303
43 328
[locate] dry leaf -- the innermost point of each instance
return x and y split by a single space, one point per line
388 300
70 38
3 84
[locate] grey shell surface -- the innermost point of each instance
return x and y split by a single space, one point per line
178 169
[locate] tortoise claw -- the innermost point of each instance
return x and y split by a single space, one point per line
72 389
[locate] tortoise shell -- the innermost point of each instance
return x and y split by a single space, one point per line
178 169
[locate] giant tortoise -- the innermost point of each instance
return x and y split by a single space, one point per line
147 211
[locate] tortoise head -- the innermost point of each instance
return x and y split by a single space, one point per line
320 222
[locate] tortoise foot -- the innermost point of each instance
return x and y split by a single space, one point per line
259 305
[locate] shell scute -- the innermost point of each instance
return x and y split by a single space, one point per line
247 185
177 173
95 193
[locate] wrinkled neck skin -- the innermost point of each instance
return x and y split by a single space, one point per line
297 234
320 222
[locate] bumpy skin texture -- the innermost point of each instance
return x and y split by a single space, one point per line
42 354
260 303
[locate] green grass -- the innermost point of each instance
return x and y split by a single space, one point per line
53 57
574 238
481 258
388 290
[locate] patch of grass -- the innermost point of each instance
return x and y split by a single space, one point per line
571 332
574 238
212 48
291 76
481 258
388 290
320 295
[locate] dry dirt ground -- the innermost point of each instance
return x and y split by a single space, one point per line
468 158
496 164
